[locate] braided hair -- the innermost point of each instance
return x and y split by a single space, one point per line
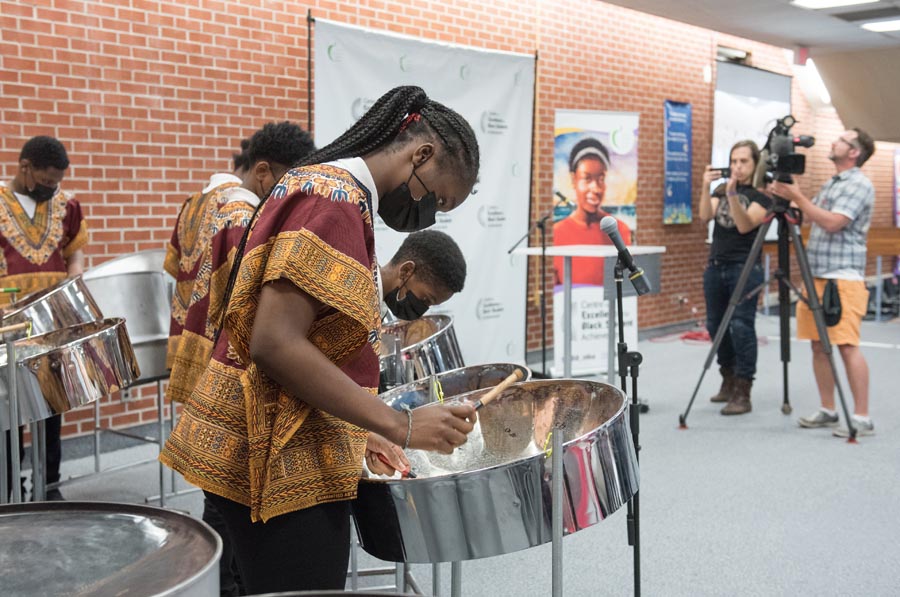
386 123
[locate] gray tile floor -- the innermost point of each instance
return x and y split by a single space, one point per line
748 505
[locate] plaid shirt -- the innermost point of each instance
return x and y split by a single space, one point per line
851 194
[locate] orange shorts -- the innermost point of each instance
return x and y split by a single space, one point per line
854 304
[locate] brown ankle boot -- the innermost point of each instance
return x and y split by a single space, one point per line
727 388
740 400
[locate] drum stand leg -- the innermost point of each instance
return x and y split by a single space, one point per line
161 420
38 461
354 560
97 434
556 489
455 579
436 580
13 397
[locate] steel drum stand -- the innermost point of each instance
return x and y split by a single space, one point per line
12 494
160 441
788 231
629 365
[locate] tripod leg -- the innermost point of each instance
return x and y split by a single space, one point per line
819 317
784 310
733 302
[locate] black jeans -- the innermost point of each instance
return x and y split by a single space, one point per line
229 578
738 347
299 551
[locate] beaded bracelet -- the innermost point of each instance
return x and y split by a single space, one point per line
408 412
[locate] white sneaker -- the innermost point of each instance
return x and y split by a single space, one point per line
863 428
818 419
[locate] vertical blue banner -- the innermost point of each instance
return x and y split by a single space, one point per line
677 191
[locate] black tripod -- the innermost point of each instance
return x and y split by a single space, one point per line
788 231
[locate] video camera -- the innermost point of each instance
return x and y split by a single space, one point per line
778 155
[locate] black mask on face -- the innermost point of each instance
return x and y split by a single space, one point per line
41 192
409 308
401 212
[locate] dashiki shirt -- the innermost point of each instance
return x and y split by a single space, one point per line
244 437
228 215
190 243
35 249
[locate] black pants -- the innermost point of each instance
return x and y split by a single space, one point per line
52 445
229 578
300 551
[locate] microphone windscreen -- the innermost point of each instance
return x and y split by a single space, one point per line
609 225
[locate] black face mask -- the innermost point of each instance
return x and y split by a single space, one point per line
42 192
401 212
409 308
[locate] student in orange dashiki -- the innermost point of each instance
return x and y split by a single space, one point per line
276 429
203 275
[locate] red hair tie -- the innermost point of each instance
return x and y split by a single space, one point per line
410 118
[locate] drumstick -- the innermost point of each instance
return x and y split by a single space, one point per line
25 325
409 474
496 390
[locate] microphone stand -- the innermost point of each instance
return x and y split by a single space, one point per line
541 224
629 365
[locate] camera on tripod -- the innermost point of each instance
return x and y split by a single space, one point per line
778 155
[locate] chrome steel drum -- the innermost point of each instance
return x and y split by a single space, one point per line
453 383
492 496
67 303
137 288
67 368
330 593
95 548
429 347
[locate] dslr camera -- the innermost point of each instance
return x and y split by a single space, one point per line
778 155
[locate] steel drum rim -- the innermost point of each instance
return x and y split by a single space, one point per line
472 396
61 286
443 320
97 272
105 325
127 509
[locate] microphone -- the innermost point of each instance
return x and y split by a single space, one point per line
610 226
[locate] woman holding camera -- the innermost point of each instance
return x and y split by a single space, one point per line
738 209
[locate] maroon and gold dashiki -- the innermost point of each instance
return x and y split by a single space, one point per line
201 278
35 249
185 254
241 435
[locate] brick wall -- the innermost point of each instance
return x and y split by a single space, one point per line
150 97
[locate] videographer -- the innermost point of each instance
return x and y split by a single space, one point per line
840 215
738 209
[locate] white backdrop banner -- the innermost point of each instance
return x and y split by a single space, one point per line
494 91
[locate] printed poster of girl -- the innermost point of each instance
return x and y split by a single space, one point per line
595 168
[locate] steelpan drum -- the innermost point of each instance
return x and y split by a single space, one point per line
95 548
492 495
65 304
136 288
428 346
67 368
453 383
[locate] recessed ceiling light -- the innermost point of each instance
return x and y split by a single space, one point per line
881 26
819 4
